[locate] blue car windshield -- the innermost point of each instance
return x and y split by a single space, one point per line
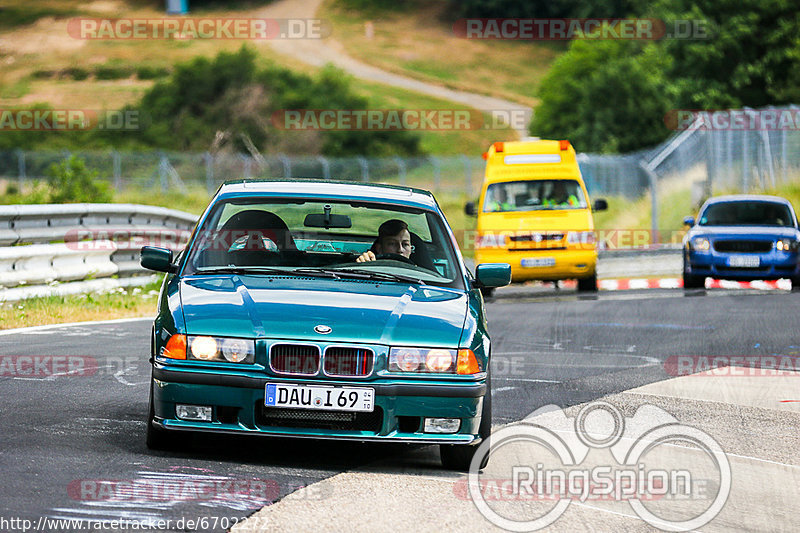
747 213
326 238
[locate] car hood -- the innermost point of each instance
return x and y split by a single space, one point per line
744 231
290 308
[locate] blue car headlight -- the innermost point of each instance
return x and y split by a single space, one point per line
700 244
786 245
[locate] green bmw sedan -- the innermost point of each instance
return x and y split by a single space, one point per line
326 310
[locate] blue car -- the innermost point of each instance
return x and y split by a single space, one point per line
742 237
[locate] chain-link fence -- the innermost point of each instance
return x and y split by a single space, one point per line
737 151
183 171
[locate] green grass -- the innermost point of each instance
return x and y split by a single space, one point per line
23 15
119 303
417 40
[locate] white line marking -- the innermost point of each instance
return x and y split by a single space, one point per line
531 380
502 389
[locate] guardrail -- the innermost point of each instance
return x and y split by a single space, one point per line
51 249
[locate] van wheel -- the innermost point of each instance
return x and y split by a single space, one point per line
588 284
459 456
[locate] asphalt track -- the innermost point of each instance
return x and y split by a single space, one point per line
72 440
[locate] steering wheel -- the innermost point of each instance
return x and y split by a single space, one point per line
396 257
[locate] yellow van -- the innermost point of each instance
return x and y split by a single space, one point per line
534 213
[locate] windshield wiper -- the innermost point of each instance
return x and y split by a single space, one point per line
265 270
383 276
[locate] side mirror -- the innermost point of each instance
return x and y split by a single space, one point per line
469 209
689 221
491 275
600 205
158 259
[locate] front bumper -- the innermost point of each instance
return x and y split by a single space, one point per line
238 407
569 263
712 264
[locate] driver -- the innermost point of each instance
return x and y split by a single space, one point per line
393 238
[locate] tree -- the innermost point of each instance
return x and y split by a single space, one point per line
605 96
70 181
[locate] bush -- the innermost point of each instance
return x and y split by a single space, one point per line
71 182
150 73
230 96
76 73
111 72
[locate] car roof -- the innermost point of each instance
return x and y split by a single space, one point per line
328 189
747 197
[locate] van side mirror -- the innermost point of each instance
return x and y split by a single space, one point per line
158 259
600 205
469 209
689 221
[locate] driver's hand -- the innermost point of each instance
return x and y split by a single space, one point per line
366 256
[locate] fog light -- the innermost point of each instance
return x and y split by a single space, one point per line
201 413
442 425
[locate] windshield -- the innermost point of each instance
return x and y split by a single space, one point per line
740 213
537 194
333 239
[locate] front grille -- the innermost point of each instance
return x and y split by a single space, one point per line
317 419
751 247
345 361
537 237
295 359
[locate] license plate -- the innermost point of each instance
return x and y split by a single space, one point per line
538 262
320 397
744 261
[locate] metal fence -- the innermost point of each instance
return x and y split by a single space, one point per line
704 156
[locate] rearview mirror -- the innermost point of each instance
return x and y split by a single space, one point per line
469 209
327 221
689 221
158 259
600 205
491 275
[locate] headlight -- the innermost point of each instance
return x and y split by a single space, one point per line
701 244
231 350
786 245
433 361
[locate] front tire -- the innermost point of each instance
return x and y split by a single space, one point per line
690 281
459 456
795 284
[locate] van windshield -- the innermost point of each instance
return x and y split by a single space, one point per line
533 195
